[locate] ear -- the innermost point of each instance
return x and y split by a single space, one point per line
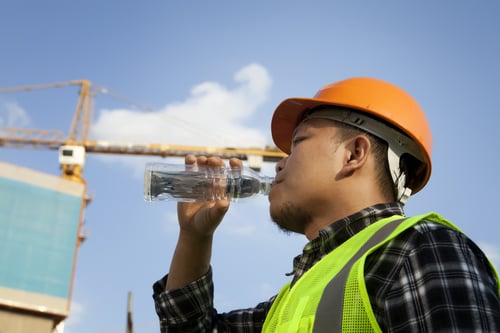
356 154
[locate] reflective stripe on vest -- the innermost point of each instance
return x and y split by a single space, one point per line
316 302
329 314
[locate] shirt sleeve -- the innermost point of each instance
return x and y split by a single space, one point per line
441 282
190 309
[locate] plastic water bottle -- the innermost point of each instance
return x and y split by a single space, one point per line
189 183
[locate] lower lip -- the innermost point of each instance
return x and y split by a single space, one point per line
273 186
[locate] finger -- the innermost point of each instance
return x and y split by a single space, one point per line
187 210
201 160
215 161
190 159
219 210
235 163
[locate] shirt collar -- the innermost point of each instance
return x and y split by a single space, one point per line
341 230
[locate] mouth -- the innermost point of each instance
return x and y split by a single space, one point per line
276 183
278 178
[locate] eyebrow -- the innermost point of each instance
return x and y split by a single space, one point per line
301 126
295 131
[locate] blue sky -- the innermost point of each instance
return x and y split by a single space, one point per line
214 72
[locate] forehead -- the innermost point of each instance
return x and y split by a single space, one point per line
314 124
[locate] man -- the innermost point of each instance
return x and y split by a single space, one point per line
357 150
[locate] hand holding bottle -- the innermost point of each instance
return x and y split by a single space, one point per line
202 218
203 188
198 221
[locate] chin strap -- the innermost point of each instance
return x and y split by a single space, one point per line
398 177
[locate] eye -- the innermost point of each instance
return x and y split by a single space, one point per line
296 140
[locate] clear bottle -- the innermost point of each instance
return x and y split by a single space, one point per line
190 183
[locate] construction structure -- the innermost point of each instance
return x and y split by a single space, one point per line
39 231
41 215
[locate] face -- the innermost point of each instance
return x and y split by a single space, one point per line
305 183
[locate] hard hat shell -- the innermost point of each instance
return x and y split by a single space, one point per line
376 98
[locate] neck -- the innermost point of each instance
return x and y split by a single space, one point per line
341 208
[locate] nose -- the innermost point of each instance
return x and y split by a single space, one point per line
280 165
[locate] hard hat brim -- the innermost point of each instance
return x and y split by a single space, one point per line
288 115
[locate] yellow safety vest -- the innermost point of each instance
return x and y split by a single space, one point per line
332 295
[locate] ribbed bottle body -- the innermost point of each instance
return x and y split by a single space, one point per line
190 183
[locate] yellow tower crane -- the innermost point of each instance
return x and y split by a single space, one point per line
27 305
74 147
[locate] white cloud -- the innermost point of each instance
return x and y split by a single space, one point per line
13 115
212 115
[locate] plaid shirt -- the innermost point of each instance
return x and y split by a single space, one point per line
428 279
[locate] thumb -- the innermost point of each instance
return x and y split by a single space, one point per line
213 216
218 211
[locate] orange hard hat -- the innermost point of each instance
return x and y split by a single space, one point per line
372 97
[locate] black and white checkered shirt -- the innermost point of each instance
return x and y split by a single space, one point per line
430 278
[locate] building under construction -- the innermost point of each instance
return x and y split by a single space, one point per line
39 235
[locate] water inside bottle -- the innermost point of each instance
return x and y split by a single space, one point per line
246 187
193 186
185 186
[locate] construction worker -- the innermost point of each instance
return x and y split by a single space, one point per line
357 151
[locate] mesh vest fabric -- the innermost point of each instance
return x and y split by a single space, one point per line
357 313
295 309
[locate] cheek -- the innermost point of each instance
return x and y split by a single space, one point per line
311 166
318 167
318 177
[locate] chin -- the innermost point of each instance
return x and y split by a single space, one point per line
289 216
276 212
